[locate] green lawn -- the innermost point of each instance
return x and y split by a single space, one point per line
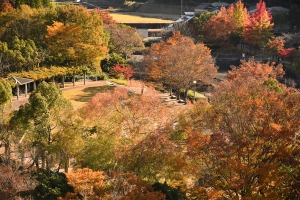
80 96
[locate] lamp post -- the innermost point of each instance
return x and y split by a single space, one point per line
194 82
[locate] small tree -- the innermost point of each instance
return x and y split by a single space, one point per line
126 71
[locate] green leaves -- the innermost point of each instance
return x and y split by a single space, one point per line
5 92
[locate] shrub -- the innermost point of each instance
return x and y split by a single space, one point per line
170 192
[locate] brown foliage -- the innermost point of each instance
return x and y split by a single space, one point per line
253 70
114 185
6 6
178 62
86 183
243 144
13 181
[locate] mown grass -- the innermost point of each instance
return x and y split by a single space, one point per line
123 18
80 96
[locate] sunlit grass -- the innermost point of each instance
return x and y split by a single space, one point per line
81 95
123 18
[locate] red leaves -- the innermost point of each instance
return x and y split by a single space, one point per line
288 54
260 11
126 71
258 28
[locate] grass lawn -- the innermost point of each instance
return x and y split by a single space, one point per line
81 95
123 18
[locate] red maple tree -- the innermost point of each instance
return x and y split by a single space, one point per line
126 71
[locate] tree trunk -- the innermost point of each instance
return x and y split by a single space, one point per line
73 79
18 92
84 77
66 165
185 95
63 81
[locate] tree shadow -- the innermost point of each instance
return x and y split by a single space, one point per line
89 92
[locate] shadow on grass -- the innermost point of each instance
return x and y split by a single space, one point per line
89 92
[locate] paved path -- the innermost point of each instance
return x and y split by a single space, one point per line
69 86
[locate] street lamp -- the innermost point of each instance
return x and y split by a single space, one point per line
194 82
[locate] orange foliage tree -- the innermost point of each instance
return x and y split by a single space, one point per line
91 185
178 62
258 27
125 125
219 28
87 184
243 145
6 6
77 38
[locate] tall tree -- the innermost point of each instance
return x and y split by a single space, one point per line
124 40
81 32
178 62
258 28
5 98
45 124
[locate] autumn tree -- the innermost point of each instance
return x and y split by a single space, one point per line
274 46
113 185
86 183
243 144
124 40
289 54
258 28
105 16
6 6
123 127
77 38
222 26
239 12
178 62
123 70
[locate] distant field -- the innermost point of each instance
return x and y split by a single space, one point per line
154 18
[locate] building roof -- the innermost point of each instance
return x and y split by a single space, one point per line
203 5
22 81
278 10
220 4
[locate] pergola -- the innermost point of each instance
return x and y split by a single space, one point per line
22 81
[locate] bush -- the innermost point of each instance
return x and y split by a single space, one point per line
119 81
103 76
51 186
170 192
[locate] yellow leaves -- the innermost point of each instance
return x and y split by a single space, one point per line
87 183
276 127
54 29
